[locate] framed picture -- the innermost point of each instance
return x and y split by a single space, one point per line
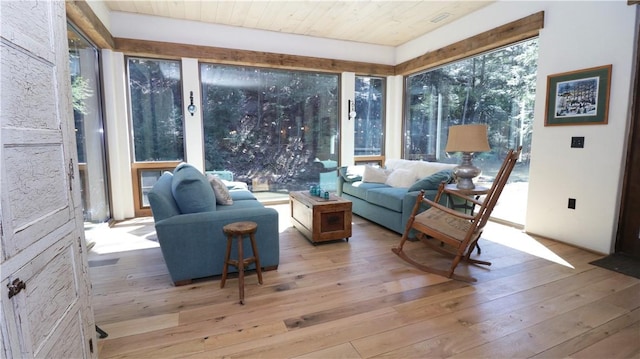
578 97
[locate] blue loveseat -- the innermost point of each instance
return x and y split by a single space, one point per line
189 223
389 203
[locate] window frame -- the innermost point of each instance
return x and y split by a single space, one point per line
373 159
137 167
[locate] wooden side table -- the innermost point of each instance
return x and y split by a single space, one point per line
477 192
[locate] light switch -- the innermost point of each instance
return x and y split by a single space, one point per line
577 142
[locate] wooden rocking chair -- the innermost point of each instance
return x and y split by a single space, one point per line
451 232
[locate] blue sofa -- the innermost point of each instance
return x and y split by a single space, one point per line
189 225
385 204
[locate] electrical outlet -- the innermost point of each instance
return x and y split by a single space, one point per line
577 142
572 203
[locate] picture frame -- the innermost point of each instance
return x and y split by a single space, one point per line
578 97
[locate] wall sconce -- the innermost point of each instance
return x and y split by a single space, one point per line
351 106
191 108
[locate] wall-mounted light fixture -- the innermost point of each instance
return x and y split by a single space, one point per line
351 106
191 108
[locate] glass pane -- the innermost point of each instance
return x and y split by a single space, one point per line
87 113
147 179
156 109
275 130
369 123
497 89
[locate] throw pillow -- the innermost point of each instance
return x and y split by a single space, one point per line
432 182
400 178
374 174
192 191
223 196
351 173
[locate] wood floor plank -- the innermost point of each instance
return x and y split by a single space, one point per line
356 299
142 325
532 340
342 351
579 345
620 341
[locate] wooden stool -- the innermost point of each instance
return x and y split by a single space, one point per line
240 229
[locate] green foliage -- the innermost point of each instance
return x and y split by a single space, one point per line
496 88
261 123
156 109
80 91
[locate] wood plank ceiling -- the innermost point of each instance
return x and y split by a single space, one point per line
389 23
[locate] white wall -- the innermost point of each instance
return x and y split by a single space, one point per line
576 35
593 175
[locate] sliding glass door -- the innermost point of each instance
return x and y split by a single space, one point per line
87 113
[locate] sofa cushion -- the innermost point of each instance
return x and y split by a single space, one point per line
240 205
241 195
220 190
161 198
420 169
359 189
374 174
432 182
400 178
387 197
191 190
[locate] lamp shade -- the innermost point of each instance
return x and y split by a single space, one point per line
467 138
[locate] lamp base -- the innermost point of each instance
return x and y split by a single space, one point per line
465 172
465 183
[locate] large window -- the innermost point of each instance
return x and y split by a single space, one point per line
275 130
369 121
496 88
155 103
155 90
87 114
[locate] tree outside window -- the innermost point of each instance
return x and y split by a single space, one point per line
496 88
155 89
275 130
369 121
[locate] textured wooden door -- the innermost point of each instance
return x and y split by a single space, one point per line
45 291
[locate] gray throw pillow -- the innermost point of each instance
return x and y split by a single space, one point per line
221 191
432 182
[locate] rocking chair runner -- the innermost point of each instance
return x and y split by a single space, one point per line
454 233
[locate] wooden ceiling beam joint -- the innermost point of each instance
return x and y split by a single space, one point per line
80 13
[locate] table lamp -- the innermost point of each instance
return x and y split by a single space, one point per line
467 139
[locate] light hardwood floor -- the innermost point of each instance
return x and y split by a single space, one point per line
356 299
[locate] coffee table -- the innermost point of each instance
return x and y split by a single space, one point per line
319 219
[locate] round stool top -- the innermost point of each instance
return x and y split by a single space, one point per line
240 227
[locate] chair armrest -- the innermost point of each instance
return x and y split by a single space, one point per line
461 196
218 217
199 226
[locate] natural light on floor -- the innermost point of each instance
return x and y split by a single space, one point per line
519 240
139 233
133 234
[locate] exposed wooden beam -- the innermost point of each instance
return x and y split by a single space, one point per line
518 30
80 13
250 58
633 2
